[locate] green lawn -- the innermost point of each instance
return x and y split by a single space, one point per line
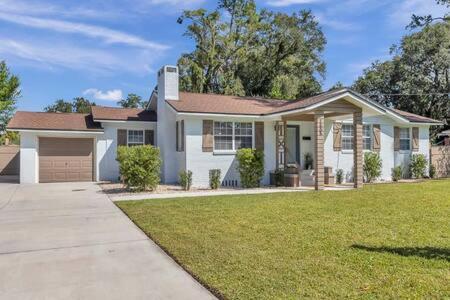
384 241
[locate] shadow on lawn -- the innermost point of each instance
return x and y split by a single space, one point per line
425 252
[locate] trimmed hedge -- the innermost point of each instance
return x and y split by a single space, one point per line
139 166
250 167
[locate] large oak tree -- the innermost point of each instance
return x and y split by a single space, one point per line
241 50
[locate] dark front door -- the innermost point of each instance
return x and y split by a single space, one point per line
293 144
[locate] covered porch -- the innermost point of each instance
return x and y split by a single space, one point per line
290 145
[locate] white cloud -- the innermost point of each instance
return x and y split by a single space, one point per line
403 10
335 24
107 35
111 95
49 54
46 8
284 3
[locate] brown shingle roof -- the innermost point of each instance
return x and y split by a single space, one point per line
122 114
413 117
53 121
221 104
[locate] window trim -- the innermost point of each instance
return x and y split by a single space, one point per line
233 136
353 136
370 137
342 138
134 144
409 139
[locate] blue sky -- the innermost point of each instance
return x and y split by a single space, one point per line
105 49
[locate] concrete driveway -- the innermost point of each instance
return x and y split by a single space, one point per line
69 241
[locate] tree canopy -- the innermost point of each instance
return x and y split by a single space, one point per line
240 50
416 79
78 105
9 93
132 101
420 21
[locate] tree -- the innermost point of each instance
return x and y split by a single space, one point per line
243 51
420 21
336 86
82 105
78 105
60 105
132 101
9 93
416 79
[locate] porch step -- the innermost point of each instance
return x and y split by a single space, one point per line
307 177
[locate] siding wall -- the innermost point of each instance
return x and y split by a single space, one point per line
107 166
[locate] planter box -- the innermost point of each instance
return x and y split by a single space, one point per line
291 180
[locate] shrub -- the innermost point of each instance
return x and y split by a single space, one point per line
397 173
432 171
339 176
372 166
185 179
139 166
214 178
250 166
418 165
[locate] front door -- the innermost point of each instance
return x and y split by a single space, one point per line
293 145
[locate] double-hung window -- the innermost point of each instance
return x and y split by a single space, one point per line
243 135
223 135
135 137
367 137
405 139
233 135
347 137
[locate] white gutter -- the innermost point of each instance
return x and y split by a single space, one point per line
122 121
56 131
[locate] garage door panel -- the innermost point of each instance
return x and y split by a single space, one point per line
63 159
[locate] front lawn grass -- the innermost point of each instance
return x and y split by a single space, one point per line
383 241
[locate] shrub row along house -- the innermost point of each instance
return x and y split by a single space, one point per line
201 132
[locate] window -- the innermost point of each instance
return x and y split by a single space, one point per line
223 135
367 137
135 137
243 135
347 137
233 135
405 140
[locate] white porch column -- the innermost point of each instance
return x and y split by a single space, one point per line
357 149
318 150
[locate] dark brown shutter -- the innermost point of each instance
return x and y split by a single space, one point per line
259 135
182 135
177 143
376 137
396 138
121 137
207 136
415 139
337 136
149 137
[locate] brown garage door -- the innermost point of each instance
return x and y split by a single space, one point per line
63 160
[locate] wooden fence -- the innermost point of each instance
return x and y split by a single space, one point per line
440 158
9 160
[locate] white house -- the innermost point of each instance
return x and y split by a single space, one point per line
200 132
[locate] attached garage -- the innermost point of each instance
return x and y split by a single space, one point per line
66 159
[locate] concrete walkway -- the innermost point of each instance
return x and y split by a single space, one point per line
205 193
69 241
